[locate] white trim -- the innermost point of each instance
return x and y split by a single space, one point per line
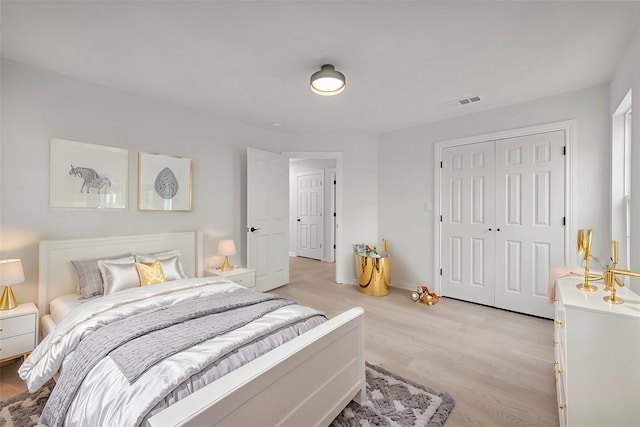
338 156
331 172
568 126
617 154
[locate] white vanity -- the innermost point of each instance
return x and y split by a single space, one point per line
597 356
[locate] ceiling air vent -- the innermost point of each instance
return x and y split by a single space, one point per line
464 101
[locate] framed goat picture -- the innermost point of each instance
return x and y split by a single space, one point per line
164 183
87 176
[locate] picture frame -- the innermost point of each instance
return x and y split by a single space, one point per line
87 176
164 183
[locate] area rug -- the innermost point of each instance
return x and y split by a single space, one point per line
23 410
392 401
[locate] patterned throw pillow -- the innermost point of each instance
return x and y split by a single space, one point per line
150 274
89 277
170 260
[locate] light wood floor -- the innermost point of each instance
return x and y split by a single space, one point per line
497 365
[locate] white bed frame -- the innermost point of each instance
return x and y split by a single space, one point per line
305 382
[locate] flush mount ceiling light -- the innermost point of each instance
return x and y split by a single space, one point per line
328 81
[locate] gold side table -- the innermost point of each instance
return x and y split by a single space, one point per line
374 275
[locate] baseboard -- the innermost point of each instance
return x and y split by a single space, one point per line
293 254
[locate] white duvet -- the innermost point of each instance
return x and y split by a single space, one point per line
106 397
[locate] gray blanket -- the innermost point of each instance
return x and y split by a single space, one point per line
172 329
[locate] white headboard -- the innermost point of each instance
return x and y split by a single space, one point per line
57 276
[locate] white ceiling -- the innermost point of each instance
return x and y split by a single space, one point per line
251 61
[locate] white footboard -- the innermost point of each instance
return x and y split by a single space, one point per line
305 382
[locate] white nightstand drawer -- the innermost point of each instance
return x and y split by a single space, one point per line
15 346
241 276
248 280
18 325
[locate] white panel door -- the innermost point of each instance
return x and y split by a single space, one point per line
268 218
502 225
467 193
529 220
310 221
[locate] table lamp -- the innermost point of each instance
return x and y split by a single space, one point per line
11 273
226 248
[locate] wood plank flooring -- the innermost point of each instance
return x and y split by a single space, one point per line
497 365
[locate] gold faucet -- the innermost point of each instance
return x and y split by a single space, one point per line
611 281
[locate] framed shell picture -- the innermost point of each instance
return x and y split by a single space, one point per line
164 183
87 176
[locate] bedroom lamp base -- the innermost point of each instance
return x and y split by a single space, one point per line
225 265
8 300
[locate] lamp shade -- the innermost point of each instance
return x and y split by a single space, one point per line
11 272
328 81
226 247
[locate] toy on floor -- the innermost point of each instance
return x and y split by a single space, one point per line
422 294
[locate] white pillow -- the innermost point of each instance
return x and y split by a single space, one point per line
171 262
119 274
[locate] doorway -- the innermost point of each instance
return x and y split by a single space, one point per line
330 164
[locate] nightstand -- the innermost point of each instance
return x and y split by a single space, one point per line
241 276
18 331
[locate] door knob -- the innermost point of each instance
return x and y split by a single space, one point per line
252 229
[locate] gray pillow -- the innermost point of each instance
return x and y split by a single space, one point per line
88 274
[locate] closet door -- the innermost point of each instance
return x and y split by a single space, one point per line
467 235
529 216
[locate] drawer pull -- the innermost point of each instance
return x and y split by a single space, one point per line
1 329
556 342
559 322
562 406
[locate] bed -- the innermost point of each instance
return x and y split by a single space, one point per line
307 380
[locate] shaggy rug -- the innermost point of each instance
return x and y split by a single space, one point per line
391 401
23 410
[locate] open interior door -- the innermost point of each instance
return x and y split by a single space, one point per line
268 218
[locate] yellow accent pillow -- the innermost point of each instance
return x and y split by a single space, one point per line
150 274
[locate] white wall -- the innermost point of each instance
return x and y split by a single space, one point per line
406 174
309 165
628 77
359 216
38 105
